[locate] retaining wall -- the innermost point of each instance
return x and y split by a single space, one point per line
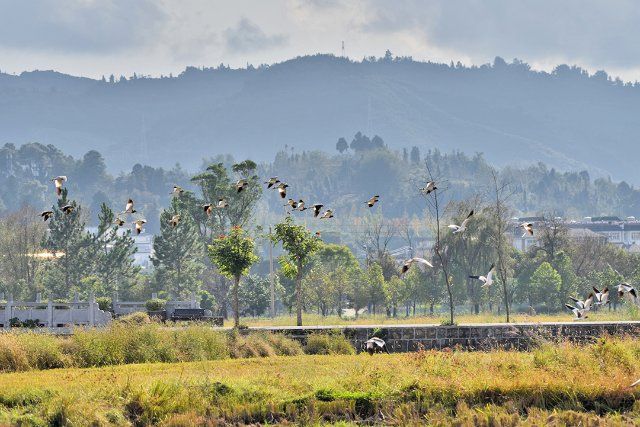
520 336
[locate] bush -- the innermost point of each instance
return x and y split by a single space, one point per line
104 304
45 351
13 356
155 304
135 319
332 343
284 346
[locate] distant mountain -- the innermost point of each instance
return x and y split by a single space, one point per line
567 118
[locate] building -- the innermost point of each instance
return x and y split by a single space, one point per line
143 244
624 233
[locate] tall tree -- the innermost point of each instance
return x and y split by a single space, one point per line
233 255
177 253
71 246
300 245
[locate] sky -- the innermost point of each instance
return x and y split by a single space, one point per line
153 37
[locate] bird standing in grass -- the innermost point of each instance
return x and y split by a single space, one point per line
488 279
462 227
408 263
376 345
59 181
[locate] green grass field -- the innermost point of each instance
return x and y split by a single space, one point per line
553 385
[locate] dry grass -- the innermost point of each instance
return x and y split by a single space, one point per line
555 385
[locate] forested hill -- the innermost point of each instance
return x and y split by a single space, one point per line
567 118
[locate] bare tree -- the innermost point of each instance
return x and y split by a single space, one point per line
439 251
377 233
502 192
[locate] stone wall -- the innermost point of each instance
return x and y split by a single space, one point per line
403 338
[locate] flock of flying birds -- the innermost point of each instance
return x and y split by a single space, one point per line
580 308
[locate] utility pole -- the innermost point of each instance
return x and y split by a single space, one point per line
272 284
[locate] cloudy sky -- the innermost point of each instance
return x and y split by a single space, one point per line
153 37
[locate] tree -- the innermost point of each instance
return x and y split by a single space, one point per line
233 255
546 284
70 246
376 289
254 295
113 252
415 155
342 145
177 253
300 245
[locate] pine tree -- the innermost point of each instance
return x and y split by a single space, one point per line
114 253
178 253
71 244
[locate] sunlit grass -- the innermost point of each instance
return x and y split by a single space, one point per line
555 382
624 313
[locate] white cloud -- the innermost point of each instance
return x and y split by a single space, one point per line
246 37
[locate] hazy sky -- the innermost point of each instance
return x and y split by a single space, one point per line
96 37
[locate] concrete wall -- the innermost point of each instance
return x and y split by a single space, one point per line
403 338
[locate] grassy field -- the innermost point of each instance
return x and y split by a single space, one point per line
624 313
552 385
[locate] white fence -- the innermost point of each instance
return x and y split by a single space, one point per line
53 314
77 313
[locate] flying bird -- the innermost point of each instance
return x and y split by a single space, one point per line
129 207
488 279
316 209
175 220
628 291
208 208
282 189
578 313
67 209
138 224
222 203
462 227
177 190
408 263
46 215
241 185
317 234
292 203
586 304
272 181
376 345
528 229
327 214
301 206
602 298
119 222
372 201
59 182
431 185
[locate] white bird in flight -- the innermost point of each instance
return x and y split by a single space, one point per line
462 227
59 181
602 298
528 229
408 263
488 279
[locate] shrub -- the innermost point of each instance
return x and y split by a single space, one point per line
135 319
155 304
13 356
200 343
45 351
284 346
332 343
104 303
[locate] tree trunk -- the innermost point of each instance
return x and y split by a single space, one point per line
299 294
236 304
476 308
431 309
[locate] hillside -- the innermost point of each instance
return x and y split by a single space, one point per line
567 119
